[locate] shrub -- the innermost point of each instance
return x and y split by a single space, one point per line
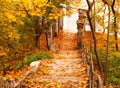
34 57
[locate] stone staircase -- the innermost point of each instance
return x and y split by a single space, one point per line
66 70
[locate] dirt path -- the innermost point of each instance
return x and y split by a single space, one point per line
66 70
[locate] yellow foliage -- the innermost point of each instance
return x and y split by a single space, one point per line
2 52
13 34
39 1
10 16
26 1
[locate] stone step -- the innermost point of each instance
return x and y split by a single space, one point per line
62 79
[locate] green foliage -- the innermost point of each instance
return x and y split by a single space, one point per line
57 2
27 34
34 57
113 65
114 80
18 66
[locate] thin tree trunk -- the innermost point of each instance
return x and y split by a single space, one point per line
38 31
47 40
107 50
93 35
115 31
91 41
116 41
94 39
38 41
94 17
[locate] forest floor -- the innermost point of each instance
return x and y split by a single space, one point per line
66 70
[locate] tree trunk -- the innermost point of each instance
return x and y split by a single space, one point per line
93 35
94 17
38 26
60 23
94 39
107 47
115 30
116 41
38 41
47 40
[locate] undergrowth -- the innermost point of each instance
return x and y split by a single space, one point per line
34 57
113 65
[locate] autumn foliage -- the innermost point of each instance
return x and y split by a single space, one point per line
20 24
